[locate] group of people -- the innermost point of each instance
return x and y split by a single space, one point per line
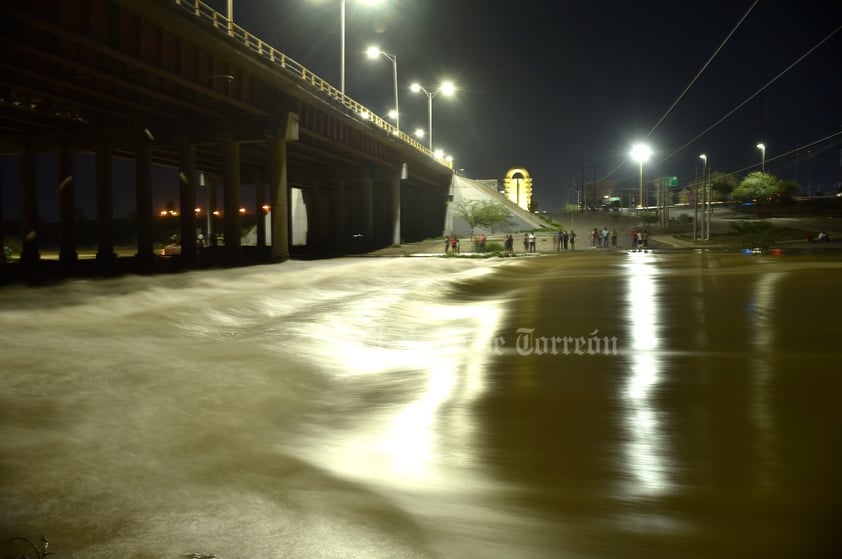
604 238
529 242
639 239
451 244
564 240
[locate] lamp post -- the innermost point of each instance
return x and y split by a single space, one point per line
762 148
704 158
706 209
230 17
342 48
342 42
374 52
447 88
640 153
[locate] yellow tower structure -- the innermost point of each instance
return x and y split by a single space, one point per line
518 187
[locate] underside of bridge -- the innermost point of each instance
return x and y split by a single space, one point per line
160 82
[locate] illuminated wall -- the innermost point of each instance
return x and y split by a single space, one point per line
518 186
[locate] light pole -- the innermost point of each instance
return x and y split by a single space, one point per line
342 42
640 153
762 148
342 48
706 209
704 158
230 17
447 88
374 52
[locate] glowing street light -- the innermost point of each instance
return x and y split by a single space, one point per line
447 88
374 52
762 148
641 153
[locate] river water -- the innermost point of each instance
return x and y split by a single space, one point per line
587 405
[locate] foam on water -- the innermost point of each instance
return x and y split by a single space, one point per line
238 412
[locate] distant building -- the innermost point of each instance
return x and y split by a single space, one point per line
518 187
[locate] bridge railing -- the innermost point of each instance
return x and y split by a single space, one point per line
275 57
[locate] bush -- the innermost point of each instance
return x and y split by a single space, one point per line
756 233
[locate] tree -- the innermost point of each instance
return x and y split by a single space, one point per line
723 184
760 187
482 213
788 188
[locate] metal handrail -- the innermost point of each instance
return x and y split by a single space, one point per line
275 57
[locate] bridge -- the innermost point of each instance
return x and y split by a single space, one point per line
174 83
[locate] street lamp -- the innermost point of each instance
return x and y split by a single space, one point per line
762 148
640 153
374 52
342 42
446 88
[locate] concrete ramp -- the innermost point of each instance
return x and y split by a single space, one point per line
467 189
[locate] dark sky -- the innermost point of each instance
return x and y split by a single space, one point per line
552 85
558 85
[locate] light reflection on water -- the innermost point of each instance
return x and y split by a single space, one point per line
646 450
762 315
443 348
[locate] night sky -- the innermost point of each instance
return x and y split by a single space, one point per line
556 86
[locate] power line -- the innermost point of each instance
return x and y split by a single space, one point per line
795 150
755 94
704 67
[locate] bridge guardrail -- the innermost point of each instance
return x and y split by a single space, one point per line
269 53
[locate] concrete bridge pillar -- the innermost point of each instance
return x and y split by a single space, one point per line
104 204
395 204
259 212
367 197
29 207
321 215
231 177
67 206
279 194
340 215
143 202
187 202
2 213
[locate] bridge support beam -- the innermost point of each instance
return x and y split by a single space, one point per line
143 200
395 205
259 211
231 177
104 204
340 215
367 197
29 207
187 202
2 217
67 206
279 194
